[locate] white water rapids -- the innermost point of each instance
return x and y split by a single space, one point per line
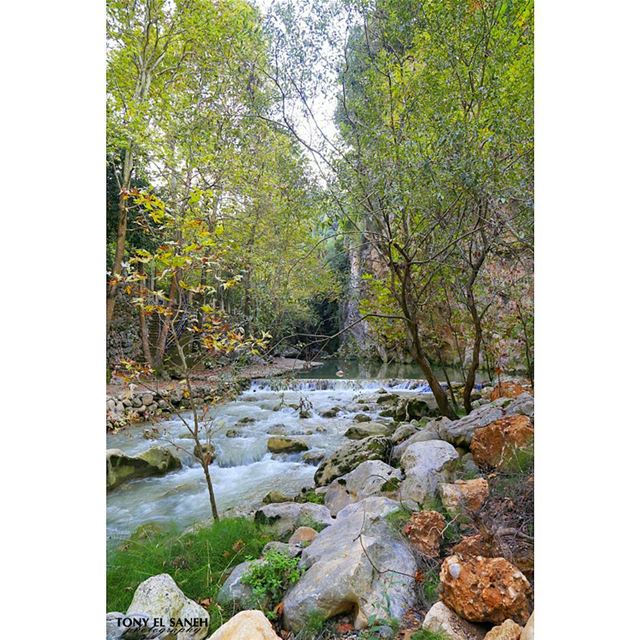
244 470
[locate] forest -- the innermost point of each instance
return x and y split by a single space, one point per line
296 191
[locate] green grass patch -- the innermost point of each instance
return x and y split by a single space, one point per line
424 634
198 561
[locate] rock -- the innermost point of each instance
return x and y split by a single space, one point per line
460 432
420 407
367 479
402 432
508 630
497 444
114 630
147 398
153 462
440 619
160 597
424 531
286 517
430 432
527 632
425 465
233 433
523 404
275 497
464 496
330 413
246 625
350 456
361 417
278 444
205 452
303 536
234 593
385 398
340 576
475 545
467 466
313 457
359 431
484 589
507 389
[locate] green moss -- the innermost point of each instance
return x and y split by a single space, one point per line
423 634
199 561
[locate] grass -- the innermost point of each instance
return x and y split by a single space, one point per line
198 561
424 634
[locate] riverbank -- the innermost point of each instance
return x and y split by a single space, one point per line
152 398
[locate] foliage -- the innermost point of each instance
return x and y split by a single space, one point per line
198 560
425 634
271 577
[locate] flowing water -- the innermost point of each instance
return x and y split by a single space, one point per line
244 470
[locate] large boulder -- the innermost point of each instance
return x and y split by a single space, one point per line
286 517
464 497
508 630
416 407
403 431
160 597
357 564
348 457
246 625
484 589
523 404
366 429
278 444
426 465
153 462
430 432
507 389
367 479
424 531
460 432
497 445
441 620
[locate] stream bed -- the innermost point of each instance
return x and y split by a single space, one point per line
244 470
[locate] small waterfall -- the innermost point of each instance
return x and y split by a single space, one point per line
327 384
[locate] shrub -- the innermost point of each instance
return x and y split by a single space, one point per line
270 578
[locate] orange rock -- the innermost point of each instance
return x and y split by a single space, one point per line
496 444
476 545
303 535
484 589
508 630
464 496
424 531
507 389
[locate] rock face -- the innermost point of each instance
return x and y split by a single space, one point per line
366 429
424 531
497 444
508 630
527 632
153 462
160 597
440 619
341 575
464 496
350 456
425 465
286 517
460 432
246 625
277 444
484 589
507 389
369 478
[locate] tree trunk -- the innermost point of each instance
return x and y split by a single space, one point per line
212 495
475 360
144 328
121 238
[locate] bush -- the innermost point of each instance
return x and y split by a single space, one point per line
270 578
198 561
